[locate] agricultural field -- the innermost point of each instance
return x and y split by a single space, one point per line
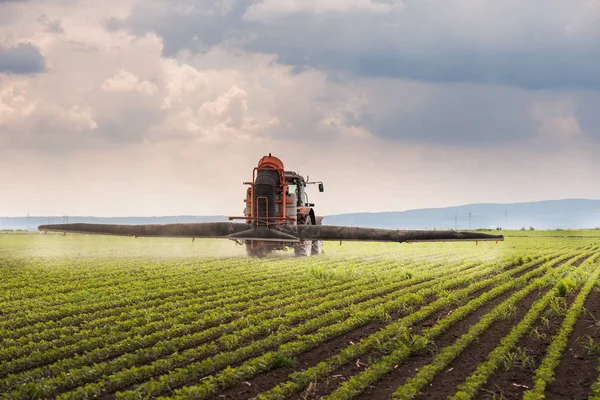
99 317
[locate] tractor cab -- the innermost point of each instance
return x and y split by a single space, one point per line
296 184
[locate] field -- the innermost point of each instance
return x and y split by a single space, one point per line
106 317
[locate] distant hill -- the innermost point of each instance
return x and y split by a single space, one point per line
548 214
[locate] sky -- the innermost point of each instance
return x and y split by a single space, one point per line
164 107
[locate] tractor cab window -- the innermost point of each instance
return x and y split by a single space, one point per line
292 188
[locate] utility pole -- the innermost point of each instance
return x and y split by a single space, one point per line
455 221
469 221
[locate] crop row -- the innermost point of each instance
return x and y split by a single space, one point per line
325 306
395 334
263 362
238 324
176 313
149 328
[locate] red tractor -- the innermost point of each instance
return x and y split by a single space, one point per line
277 197
277 216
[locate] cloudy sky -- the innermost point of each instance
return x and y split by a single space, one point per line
161 107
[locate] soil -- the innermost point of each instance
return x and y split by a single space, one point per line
444 384
309 359
512 383
577 369
326 350
460 368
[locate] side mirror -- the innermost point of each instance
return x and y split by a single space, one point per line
321 188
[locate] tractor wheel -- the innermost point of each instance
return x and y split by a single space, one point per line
260 251
317 247
304 248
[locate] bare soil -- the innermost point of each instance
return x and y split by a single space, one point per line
309 359
512 383
326 350
577 369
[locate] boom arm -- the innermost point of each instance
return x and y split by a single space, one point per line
193 230
289 233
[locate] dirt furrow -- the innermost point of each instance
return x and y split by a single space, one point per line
385 387
577 369
314 356
444 384
326 350
515 375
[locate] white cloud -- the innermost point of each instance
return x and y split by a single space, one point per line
14 104
125 81
182 81
79 117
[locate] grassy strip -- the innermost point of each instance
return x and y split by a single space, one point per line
445 357
473 383
544 375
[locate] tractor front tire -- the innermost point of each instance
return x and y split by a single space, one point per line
317 247
304 248
260 251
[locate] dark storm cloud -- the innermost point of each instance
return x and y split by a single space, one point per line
410 42
563 68
193 25
453 115
23 58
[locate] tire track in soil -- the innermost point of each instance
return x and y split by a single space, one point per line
577 369
328 349
512 383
